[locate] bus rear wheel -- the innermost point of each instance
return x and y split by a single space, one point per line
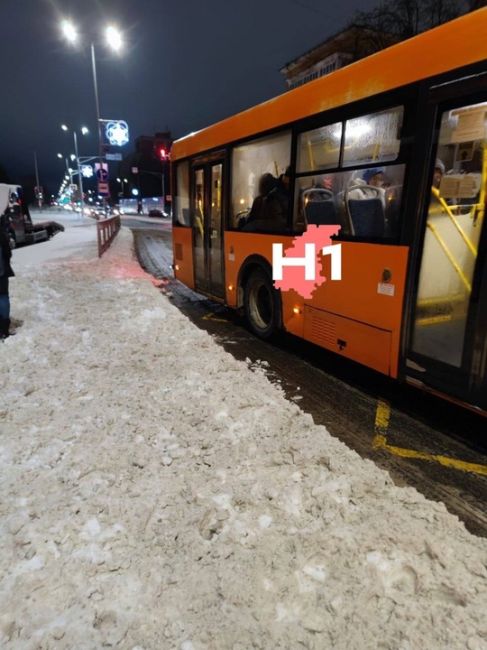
261 304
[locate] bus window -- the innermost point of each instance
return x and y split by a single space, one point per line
319 148
365 203
453 227
182 194
259 197
373 138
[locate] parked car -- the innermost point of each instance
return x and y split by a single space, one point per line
155 212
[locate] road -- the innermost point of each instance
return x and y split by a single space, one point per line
423 442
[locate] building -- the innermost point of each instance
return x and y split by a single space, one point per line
351 44
146 169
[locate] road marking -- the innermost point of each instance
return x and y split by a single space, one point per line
211 316
382 418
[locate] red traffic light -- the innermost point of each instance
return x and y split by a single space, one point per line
162 153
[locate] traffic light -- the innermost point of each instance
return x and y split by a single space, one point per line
162 146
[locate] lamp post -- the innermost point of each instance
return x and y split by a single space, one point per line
122 182
84 131
68 169
38 185
114 41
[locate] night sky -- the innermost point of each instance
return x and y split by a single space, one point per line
186 64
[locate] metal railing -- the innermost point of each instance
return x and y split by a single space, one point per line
107 230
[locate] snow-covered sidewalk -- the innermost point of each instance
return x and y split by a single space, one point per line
157 493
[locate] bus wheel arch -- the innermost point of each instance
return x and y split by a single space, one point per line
260 301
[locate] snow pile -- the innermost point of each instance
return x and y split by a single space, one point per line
79 235
157 493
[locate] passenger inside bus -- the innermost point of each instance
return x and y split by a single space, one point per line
438 172
370 186
365 203
270 206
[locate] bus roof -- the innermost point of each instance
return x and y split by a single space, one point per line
453 45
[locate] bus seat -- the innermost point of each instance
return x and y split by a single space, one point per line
321 212
319 207
367 217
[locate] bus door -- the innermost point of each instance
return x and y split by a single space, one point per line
448 346
207 223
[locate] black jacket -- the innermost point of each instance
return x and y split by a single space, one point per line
6 270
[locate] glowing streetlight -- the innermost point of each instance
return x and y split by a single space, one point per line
122 182
60 155
85 130
69 31
72 156
64 127
114 38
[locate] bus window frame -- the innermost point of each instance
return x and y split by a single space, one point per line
392 99
232 147
175 222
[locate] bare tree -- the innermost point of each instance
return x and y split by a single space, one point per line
401 19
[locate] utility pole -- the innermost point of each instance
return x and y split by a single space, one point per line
38 185
98 119
80 175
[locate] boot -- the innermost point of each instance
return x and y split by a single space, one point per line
4 328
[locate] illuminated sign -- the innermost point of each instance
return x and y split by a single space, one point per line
116 132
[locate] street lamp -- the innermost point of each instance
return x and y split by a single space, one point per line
75 156
122 181
114 38
69 31
114 41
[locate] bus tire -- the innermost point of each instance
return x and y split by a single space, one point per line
262 304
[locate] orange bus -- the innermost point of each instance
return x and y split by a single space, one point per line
393 148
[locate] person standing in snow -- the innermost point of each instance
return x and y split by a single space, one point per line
6 272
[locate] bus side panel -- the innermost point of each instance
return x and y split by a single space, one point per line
183 255
370 295
240 246
369 309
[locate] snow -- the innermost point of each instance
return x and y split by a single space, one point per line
157 493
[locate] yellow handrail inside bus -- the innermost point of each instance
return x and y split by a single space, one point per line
449 255
310 154
454 220
483 185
